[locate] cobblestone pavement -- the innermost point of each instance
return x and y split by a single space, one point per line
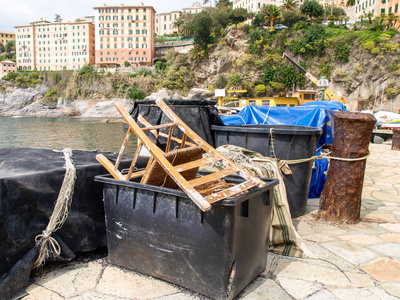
360 261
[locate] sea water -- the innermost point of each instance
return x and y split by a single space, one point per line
60 133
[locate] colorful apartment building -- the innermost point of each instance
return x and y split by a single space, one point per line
389 6
44 45
6 36
256 5
6 67
124 34
165 21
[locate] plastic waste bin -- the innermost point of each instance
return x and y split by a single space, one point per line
160 232
290 142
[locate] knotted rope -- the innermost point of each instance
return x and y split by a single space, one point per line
46 244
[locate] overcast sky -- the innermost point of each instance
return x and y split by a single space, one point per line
23 12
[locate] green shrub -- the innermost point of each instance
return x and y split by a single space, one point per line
391 93
375 50
135 94
221 82
50 93
342 52
11 76
260 89
369 45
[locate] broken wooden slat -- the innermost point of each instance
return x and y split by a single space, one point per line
213 176
197 163
110 167
229 192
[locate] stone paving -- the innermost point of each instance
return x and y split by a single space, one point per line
360 261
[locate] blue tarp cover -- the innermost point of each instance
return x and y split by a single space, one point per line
314 114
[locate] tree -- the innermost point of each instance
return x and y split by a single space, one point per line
178 23
10 46
289 4
57 19
201 27
338 11
271 13
2 48
370 15
238 15
224 3
293 16
392 20
312 9
127 64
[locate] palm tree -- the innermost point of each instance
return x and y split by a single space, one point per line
392 19
271 12
178 23
370 15
289 4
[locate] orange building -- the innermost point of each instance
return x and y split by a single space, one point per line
44 45
7 66
125 34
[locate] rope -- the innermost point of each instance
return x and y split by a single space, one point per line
46 244
326 155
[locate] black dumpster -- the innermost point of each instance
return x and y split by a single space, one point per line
290 142
160 232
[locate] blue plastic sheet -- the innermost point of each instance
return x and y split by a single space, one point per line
314 114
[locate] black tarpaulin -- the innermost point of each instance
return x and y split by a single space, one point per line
30 180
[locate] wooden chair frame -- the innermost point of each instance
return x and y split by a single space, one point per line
174 171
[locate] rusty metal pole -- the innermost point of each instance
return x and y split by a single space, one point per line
341 198
396 139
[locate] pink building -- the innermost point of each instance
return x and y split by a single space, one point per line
7 66
44 45
125 34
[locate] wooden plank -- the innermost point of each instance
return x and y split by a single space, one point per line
146 171
156 127
121 151
134 160
203 144
229 192
169 139
109 166
137 174
183 141
176 139
213 176
197 163
159 156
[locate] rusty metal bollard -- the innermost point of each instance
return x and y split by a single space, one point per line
341 198
396 139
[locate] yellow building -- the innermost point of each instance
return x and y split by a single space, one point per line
6 36
305 96
44 45
270 101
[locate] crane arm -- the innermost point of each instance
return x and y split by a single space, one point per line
331 95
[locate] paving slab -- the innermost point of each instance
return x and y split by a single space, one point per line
350 251
383 269
391 237
363 293
391 227
387 249
299 289
392 288
122 283
264 289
